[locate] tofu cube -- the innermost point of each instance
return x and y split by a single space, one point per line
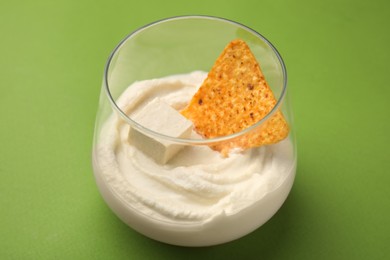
160 117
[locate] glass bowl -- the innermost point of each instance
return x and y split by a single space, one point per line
198 197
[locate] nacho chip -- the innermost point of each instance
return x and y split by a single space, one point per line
233 97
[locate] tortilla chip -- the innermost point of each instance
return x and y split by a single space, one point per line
233 97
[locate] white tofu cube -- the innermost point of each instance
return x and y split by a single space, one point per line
160 117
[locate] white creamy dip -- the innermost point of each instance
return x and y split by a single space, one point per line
198 198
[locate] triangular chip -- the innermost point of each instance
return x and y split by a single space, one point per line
233 97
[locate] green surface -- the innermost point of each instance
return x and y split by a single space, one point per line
51 65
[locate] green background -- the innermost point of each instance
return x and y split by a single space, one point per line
51 64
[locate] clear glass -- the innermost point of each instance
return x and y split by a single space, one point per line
179 46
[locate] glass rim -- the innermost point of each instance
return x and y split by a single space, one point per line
178 140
